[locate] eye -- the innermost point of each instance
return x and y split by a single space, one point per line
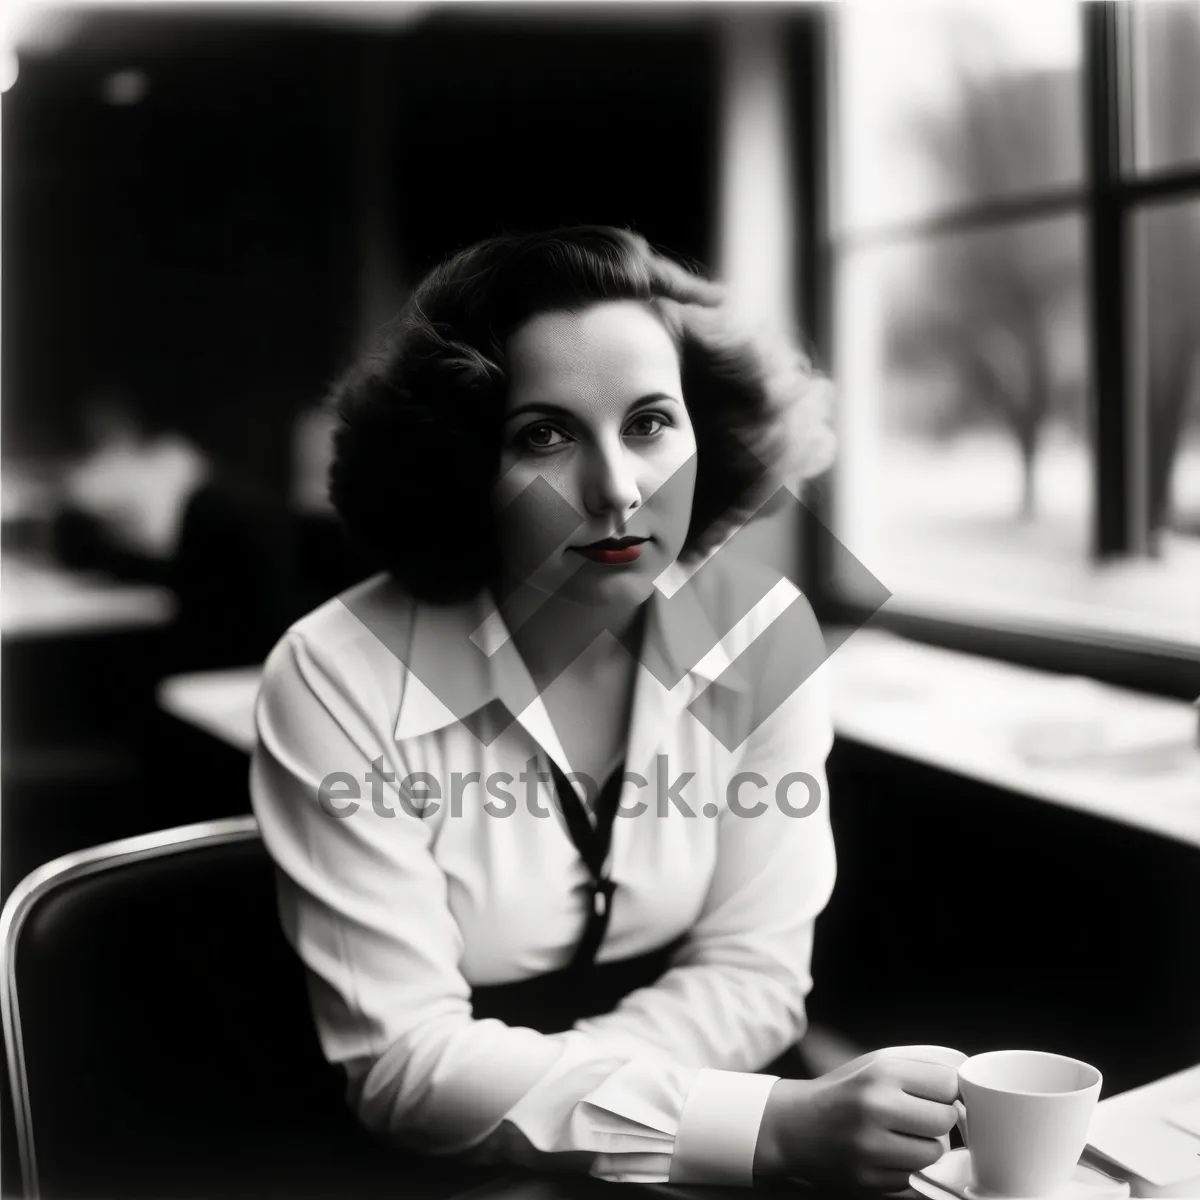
638 426
539 436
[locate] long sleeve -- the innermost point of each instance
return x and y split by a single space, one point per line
662 1089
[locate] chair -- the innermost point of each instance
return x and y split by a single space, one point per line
159 1040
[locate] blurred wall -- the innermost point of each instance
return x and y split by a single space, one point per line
186 242
226 236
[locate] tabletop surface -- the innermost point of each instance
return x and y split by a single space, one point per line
523 1185
38 598
1111 752
526 1185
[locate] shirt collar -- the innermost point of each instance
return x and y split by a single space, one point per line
464 650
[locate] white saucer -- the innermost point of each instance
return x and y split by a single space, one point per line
951 1177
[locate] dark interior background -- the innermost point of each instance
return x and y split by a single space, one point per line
207 245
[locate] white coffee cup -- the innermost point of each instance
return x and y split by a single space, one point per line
1027 1119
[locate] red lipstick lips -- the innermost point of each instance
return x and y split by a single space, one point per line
613 552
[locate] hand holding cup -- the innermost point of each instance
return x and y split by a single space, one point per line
870 1123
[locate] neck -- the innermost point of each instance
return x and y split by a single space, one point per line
550 633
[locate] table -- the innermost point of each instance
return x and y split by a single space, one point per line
528 1186
1070 741
220 703
1109 752
40 599
525 1185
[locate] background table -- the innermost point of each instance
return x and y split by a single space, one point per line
40 599
220 703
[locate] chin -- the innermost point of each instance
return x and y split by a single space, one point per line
614 587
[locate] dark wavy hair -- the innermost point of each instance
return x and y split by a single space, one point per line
417 442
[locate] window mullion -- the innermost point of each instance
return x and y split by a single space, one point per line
1119 512
811 52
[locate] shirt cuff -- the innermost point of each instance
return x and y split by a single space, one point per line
718 1128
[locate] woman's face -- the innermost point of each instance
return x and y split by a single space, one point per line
598 445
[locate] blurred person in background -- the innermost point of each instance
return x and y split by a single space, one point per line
556 422
144 503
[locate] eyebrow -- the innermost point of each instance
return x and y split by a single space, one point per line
559 410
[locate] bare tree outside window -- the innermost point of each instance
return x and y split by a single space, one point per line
994 304
970 467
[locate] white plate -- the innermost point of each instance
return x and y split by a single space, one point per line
951 1177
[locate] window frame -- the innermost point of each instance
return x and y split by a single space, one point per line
1108 199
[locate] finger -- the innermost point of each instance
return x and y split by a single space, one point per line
919 1117
925 1080
902 1152
945 1056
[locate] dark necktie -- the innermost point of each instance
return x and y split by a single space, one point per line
592 841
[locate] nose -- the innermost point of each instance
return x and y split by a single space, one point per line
610 485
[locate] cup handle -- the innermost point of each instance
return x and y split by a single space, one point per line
961 1108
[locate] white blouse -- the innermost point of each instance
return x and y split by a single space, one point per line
423 887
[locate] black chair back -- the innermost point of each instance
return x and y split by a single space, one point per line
159 1038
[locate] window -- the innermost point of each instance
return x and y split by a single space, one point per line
1014 239
1165 46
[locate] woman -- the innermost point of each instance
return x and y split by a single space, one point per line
551 459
